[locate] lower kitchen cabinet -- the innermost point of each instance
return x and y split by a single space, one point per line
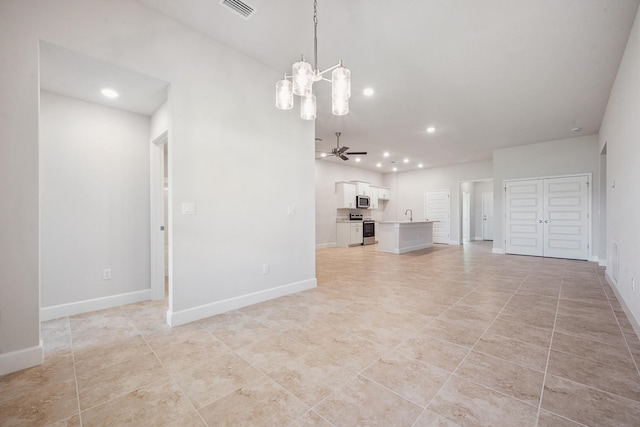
348 234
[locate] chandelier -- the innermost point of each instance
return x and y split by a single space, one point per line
301 80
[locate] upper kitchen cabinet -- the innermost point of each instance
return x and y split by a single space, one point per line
346 195
363 188
383 193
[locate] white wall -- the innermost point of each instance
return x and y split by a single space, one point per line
552 158
621 133
408 190
242 161
94 200
327 174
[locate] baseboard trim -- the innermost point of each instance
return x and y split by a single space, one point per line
602 262
177 318
70 309
21 359
634 322
326 245
497 251
454 242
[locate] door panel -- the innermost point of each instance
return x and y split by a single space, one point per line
524 210
437 209
566 225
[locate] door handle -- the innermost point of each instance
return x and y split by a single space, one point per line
485 218
539 221
547 221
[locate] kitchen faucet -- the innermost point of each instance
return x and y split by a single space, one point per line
411 217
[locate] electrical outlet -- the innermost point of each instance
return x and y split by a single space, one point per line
106 274
266 268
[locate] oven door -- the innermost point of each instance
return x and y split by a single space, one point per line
368 233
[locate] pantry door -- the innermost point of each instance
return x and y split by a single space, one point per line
566 219
524 231
437 208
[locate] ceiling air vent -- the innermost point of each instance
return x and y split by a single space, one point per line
239 7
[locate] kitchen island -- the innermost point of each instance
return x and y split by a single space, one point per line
398 237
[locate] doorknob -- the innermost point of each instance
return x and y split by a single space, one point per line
546 221
485 218
539 221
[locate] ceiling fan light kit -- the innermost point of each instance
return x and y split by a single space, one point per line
301 80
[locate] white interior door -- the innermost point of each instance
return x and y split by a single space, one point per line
566 217
437 208
487 215
524 214
466 216
548 217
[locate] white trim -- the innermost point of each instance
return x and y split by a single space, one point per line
594 258
454 242
497 251
62 310
181 317
602 262
634 322
21 359
326 245
156 211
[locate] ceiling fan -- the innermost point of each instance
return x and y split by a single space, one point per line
342 151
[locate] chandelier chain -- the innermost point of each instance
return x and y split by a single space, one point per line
315 35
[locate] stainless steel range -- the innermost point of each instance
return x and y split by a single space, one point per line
368 232
368 228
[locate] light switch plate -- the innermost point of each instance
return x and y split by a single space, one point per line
188 208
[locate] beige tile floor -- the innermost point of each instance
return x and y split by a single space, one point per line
450 336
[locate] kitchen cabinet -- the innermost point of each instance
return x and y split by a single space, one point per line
348 234
383 193
363 188
346 195
373 198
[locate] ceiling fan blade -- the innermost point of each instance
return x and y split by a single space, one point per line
357 153
342 149
343 157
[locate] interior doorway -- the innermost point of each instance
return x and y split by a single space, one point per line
475 211
159 221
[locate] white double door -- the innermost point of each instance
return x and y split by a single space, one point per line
548 217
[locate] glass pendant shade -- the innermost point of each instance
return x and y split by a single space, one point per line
302 78
284 95
339 106
341 83
308 107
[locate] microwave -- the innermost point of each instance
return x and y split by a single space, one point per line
362 202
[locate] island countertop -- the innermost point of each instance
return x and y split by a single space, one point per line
406 221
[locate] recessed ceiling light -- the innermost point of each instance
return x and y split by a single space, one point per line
378 165
110 93
576 129
368 91
420 165
386 154
358 159
406 160
395 169
431 129
323 154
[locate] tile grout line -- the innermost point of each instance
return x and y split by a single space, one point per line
553 331
75 375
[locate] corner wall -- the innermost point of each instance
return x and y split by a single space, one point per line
621 134
94 195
